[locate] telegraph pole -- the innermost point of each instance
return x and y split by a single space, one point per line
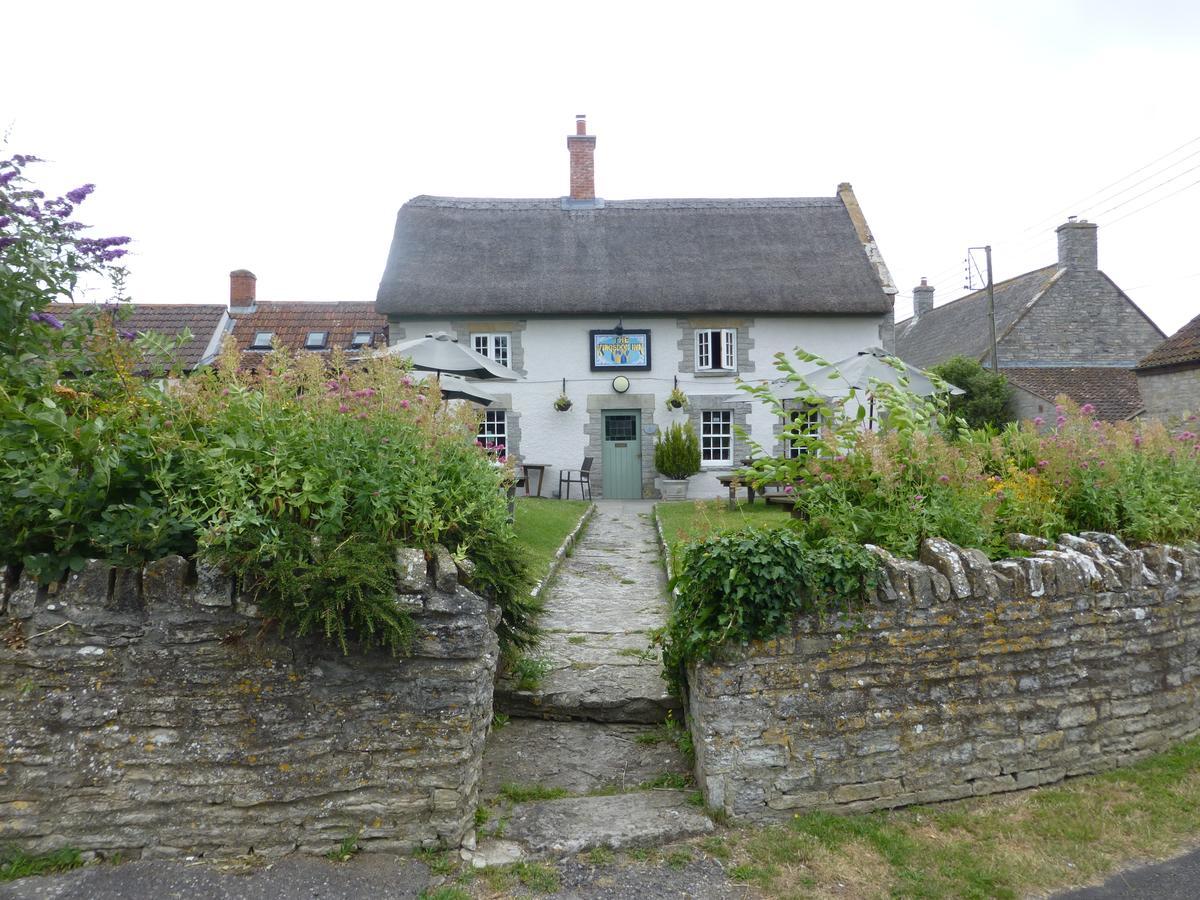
991 289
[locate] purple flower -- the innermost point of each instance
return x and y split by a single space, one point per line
1061 421
1039 421
404 404
46 319
7 242
7 177
1087 409
4 220
76 196
944 479
420 398
1042 463
343 408
919 497
1137 440
787 489
128 335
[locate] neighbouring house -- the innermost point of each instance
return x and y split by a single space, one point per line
1169 376
301 325
615 303
208 323
1066 328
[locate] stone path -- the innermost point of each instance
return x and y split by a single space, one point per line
587 760
607 598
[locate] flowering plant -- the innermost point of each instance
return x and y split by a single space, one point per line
562 403
677 399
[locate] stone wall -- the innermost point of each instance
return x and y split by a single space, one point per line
1170 395
966 678
153 713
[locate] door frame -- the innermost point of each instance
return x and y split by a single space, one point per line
622 411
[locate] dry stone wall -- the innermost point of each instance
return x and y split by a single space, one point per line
152 713
966 678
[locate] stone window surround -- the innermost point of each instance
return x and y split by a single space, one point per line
463 329
687 345
781 447
596 405
701 403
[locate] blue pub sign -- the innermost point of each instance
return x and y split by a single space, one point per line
620 349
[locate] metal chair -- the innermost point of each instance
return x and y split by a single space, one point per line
580 476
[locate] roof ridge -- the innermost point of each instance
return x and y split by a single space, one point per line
555 203
983 290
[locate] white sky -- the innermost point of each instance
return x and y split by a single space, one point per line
283 138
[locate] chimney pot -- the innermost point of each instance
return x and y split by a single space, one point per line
242 290
582 147
1077 244
922 299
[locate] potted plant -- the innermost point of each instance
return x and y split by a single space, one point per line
563 403
677 399
677 458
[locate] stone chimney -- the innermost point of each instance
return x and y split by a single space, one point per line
922 299
242 291
1077 244
582 147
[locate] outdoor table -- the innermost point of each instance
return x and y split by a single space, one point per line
540 468
733 481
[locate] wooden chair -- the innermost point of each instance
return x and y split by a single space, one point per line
581 476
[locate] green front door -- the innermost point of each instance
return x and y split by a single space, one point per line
621 456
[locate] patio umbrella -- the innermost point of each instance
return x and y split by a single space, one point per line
440 352
861 372
454 388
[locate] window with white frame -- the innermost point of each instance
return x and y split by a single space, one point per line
716 437
805 421
716 350
492 345
493 432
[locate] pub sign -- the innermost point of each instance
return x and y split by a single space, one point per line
620 349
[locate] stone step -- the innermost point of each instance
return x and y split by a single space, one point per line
559 828
631 692
579 757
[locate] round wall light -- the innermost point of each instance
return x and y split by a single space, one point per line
620 384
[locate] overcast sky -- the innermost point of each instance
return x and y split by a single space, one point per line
283 138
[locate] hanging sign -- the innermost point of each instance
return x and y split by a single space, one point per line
620 350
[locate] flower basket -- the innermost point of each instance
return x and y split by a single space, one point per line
677 399
563 403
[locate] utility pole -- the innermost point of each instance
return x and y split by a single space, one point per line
991 289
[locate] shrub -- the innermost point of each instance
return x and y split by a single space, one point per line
677 452
984 401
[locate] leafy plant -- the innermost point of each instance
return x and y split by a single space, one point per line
677 452
563 403
527 671
347 849
16 863
677 399
984 402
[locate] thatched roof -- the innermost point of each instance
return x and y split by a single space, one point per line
455 256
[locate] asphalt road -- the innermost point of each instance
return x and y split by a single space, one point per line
1175 879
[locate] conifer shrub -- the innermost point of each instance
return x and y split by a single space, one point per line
677 452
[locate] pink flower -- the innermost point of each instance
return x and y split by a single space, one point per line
1061 421
1039 421
1137 440
919 497
420 398
1096 424
788 489
362 415
343 408
406 381
944 479
1033 470
1058 408
841 457
1042 463
827 477
1084 464
404 404
1087 409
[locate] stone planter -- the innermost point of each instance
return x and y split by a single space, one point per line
673 489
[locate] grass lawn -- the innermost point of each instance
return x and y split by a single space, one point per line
1008 846
684 522
541 527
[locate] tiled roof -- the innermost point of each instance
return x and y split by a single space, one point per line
1181 349
291 322
1112 390
170 319
961 326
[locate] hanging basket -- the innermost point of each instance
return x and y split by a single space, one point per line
563 403
677 399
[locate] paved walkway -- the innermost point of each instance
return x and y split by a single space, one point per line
1173 879
607 598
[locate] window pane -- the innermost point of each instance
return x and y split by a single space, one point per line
315 340
500 348
730 348
361 338
620 428
716 436
262 339
703 345
481 344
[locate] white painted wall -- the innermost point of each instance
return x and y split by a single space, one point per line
559 347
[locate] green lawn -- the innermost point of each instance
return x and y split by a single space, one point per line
684 522
541 527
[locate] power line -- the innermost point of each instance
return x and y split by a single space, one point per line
1151 190
1153 203
1141 181
1072 206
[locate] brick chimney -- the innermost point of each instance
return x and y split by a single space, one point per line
922 299
242 291
1077 244
582 147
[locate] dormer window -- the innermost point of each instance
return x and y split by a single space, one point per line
316 340
362 339
262 340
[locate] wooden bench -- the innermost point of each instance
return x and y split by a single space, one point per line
733 481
